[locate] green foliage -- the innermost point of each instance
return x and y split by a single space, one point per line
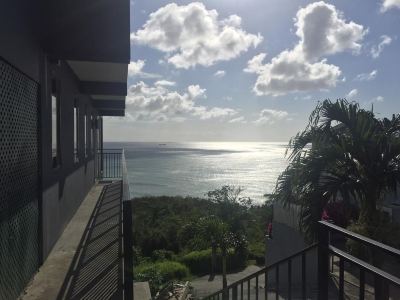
159 273
344 154
199 261
160 255
158 221
168 223
257 252
387 233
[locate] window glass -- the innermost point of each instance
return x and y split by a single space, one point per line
55 123
85 132
76 131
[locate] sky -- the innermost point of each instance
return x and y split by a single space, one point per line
253 70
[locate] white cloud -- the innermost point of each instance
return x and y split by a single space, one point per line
240 120
165 83
135 69
367 76
377 50
195 91
220 73
378 99
271 116
228 98
352 94
322 31
388 4
158 103
193 35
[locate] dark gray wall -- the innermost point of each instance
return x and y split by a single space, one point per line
63 188
287 240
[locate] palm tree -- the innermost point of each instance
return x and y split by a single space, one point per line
345 153
211 229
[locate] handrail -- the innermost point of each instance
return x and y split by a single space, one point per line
263 271
325 249
361 238
366 266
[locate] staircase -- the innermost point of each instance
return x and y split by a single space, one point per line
340 275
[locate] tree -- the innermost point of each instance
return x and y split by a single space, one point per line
344 154
232 207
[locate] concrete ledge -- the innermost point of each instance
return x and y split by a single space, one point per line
47 283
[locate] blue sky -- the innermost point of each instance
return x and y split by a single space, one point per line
253 70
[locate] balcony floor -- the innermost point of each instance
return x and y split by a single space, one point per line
86 261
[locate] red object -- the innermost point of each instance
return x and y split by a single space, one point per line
270 229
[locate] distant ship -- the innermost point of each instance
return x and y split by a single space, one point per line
162 144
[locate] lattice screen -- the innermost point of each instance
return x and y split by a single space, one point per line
19 212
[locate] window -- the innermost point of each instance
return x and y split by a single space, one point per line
92 133
85 132
99 146
55 124
76 131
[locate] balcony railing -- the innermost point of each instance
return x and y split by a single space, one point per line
111 165
325 253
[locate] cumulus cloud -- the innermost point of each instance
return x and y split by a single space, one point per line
367 76
196 91
153 103
192 35
220 73
322 31
377 50
352 94
135 69
271 116
388 4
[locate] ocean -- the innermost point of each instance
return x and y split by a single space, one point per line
192 169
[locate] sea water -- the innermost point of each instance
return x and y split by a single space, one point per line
193 169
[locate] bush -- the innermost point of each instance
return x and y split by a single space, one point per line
159 273
199 262
387 233
160 255
257 253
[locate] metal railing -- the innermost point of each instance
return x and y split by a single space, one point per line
111 165
242 289
327 250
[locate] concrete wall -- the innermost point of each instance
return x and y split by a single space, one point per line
287 240
59 204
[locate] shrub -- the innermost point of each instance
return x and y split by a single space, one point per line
161 254
257 252
387 233
199 262
159 273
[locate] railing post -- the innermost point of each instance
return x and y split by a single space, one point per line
128 251
235 292
323 261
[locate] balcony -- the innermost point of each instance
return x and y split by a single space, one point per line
93 257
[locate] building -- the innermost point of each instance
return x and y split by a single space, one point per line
63 67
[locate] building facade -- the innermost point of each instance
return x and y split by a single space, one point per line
63 67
